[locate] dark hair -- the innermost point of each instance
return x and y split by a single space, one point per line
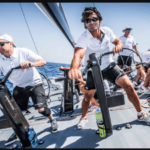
88 11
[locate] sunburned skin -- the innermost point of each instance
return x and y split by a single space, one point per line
93 100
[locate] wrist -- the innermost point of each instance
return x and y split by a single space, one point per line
32 64
119 46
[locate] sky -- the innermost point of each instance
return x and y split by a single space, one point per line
52 45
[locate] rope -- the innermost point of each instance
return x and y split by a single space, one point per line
34 122
31 35
146 101
89 113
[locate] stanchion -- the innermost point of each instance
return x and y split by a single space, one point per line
67 98
98 81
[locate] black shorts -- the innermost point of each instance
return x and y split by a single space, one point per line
122 60
147 67
37 93
112 73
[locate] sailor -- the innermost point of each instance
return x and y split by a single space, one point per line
128 42
146 58
97 39
146 86
142 71
26 81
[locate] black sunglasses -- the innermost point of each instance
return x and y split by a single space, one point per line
94 19
2 43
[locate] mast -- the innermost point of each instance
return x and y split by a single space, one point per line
54 12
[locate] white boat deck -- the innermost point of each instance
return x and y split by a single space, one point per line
68 136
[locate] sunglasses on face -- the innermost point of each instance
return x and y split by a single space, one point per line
94 19
3 43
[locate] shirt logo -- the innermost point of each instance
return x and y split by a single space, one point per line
107 43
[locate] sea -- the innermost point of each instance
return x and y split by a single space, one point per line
50 70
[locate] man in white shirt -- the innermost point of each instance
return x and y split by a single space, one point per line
142 73
96 39
146 56
26 81
124 57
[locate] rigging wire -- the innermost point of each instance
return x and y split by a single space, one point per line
32 37
94 4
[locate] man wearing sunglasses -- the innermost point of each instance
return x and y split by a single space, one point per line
97 39
26 81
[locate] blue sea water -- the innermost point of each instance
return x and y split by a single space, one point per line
49 70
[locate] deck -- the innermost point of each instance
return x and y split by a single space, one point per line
68 136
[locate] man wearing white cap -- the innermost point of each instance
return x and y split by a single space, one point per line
128 42
26 81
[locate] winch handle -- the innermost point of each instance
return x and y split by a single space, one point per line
100 57
9 72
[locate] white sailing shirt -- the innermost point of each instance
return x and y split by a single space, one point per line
128 42
146 57
21 77
94 45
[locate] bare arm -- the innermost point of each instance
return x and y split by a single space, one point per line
37 63
74 72
78 55
135 48
118 46
63 68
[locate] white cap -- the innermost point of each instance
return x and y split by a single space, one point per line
127 28
7 38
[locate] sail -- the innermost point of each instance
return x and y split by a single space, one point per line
54 12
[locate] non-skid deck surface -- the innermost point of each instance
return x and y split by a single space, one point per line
69 136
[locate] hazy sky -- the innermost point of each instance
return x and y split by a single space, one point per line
52 44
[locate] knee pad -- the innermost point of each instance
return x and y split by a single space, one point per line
46 112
